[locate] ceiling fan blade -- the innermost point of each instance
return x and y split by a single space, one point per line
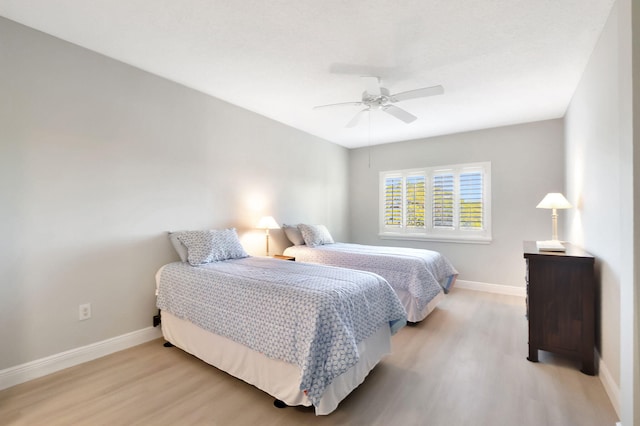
399 113
339 104
356 118
417 93
372 84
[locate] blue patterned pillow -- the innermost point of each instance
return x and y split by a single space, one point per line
315 235
211 246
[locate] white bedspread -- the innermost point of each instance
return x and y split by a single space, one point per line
309 315
423 273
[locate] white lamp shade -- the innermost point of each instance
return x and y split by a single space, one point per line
268 222
554 200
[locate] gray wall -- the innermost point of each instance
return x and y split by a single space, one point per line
527 162
595 169
99 159
601 180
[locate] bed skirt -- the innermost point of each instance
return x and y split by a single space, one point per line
409 302
277 378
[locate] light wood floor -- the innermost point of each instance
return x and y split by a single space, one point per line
464 365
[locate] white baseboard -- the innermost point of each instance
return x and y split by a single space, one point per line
610 386
491 288
41 367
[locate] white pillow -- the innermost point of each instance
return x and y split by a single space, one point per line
315 235
211 246
293 234
181 249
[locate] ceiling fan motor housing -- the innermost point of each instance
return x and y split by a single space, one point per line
376 101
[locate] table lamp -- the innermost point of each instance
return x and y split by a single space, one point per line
554 201
266 223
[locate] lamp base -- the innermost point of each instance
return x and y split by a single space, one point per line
550 245
267 243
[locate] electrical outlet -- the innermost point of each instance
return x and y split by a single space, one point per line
84 311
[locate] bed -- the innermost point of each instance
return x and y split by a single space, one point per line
305 334
419 277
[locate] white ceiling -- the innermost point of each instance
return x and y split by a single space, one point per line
501 62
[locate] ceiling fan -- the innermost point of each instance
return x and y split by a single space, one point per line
376 97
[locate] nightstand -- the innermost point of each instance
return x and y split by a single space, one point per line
283 257
561 303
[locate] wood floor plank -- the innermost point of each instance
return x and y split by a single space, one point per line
464 365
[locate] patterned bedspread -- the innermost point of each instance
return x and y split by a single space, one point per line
309 315
423 273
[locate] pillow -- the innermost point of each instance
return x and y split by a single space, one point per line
315 235
211 246
293 234
181 249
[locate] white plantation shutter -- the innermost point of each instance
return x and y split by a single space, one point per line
451 203
442 205
471 200
393 201
415 197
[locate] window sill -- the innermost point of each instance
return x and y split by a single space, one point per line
436 238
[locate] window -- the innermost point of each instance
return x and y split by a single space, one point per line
451 203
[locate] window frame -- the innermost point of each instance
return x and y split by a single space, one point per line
428 232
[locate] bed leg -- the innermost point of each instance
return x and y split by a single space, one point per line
157 319
168 345
279 404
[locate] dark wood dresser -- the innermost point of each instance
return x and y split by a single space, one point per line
560 303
